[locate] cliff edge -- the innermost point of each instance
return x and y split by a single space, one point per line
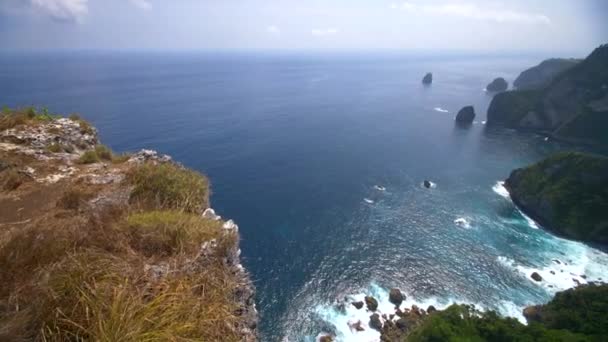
99 246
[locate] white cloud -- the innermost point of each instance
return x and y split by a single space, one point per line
64 10
143 4
273 29
472 11
324 32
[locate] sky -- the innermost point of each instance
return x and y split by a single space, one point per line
446 25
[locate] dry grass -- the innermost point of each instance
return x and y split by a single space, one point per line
166 233
10 118
74 198
101 153
72 278
11 179
169 186
89 157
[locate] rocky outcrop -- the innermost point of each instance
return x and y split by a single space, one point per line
396 297
465 116
536 277
375 322
427 79
358 305
371 303
567 193
574 106
540 76
497 85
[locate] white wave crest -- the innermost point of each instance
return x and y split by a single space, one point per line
367 200
379 188
441 110
500 189
463 222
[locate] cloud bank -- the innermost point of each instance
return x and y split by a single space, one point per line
472 11
62 10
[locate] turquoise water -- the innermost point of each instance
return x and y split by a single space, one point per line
297 147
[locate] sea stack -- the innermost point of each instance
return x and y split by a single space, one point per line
428 78
466 115
498 85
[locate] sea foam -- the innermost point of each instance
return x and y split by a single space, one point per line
441 110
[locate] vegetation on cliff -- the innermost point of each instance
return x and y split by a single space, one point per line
540 76
567 193
579 314
574 105
107 249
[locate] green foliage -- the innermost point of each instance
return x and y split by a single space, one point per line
510 107
169 186
569 191
55 148
98 154
464 323
582 310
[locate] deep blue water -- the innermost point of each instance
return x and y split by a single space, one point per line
294 143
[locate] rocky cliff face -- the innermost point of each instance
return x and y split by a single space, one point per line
567 193
574 106
540 76
124 247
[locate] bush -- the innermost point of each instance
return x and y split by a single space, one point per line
103 152
55 148
168 186
89 157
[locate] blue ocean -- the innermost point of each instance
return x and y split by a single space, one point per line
320 159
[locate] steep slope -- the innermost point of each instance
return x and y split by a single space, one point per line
567 193
573 107
540 76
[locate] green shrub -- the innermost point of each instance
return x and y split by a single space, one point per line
55 148
169 186
103 152
89 157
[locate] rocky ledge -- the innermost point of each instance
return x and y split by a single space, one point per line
90 239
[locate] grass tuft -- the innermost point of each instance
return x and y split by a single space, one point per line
89 157
170 232
168 186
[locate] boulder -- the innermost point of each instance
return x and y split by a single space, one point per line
498 85
532 313
371 302
536 277
396 297
428 78
401 323
358 304
466 115
431 309
427 184
357 326
375 322
326 338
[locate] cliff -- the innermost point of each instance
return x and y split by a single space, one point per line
574 106
540 76
567 193
98 246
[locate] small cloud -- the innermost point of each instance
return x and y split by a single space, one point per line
472 11
324 32
62 10
143 4
273 30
